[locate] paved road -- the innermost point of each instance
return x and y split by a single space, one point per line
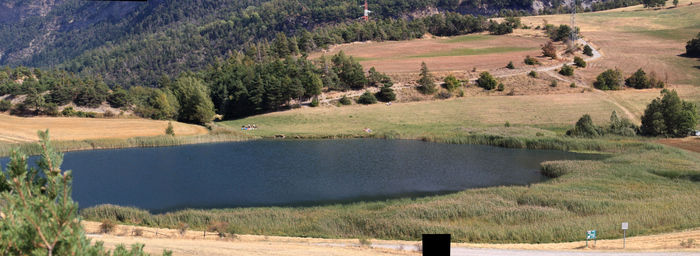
501 252
464 251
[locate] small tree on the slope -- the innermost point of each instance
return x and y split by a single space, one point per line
692 48
579 62
451 83
170 130
426 83
549 50
39 215
584 128
611 79
386 94
486 81
367 98
566 70
675 3
587 50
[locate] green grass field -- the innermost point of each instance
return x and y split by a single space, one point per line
466 38
471 51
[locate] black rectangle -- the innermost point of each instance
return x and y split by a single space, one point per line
436 244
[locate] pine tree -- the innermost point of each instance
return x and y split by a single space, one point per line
426 83
170 130
40 217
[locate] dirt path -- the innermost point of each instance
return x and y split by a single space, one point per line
195 243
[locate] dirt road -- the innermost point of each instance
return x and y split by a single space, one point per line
195 243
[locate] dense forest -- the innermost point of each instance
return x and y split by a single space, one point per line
135 43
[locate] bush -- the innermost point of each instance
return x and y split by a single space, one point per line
669 116
500 87
622 127
314 102
579 62
507 124
566 70
182 228
5 105
107 226
50 109
486 81
554 83
221 228
137 232
609 80
531 61
510 65
692 48
68 111
640 80
572 85
587 50
345 100
532 74
500 28
119 98
549 50
443 95
170 130
386 94
584 128
367 98
558 34
451 83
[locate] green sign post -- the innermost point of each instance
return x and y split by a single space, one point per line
591 234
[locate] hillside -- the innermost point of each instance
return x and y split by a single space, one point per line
136 42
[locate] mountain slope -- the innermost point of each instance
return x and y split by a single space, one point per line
137 42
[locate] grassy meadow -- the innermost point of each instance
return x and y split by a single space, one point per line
470 51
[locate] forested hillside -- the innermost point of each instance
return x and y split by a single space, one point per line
135 43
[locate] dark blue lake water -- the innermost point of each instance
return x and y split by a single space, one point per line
295 172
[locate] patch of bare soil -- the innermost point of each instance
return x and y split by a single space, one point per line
689 143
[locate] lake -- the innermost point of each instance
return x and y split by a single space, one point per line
294 172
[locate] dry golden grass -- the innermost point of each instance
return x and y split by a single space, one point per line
21 129
485 52
193 243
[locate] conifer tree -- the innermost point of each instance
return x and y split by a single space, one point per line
426 83
39 215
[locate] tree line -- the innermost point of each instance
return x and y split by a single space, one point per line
238 87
